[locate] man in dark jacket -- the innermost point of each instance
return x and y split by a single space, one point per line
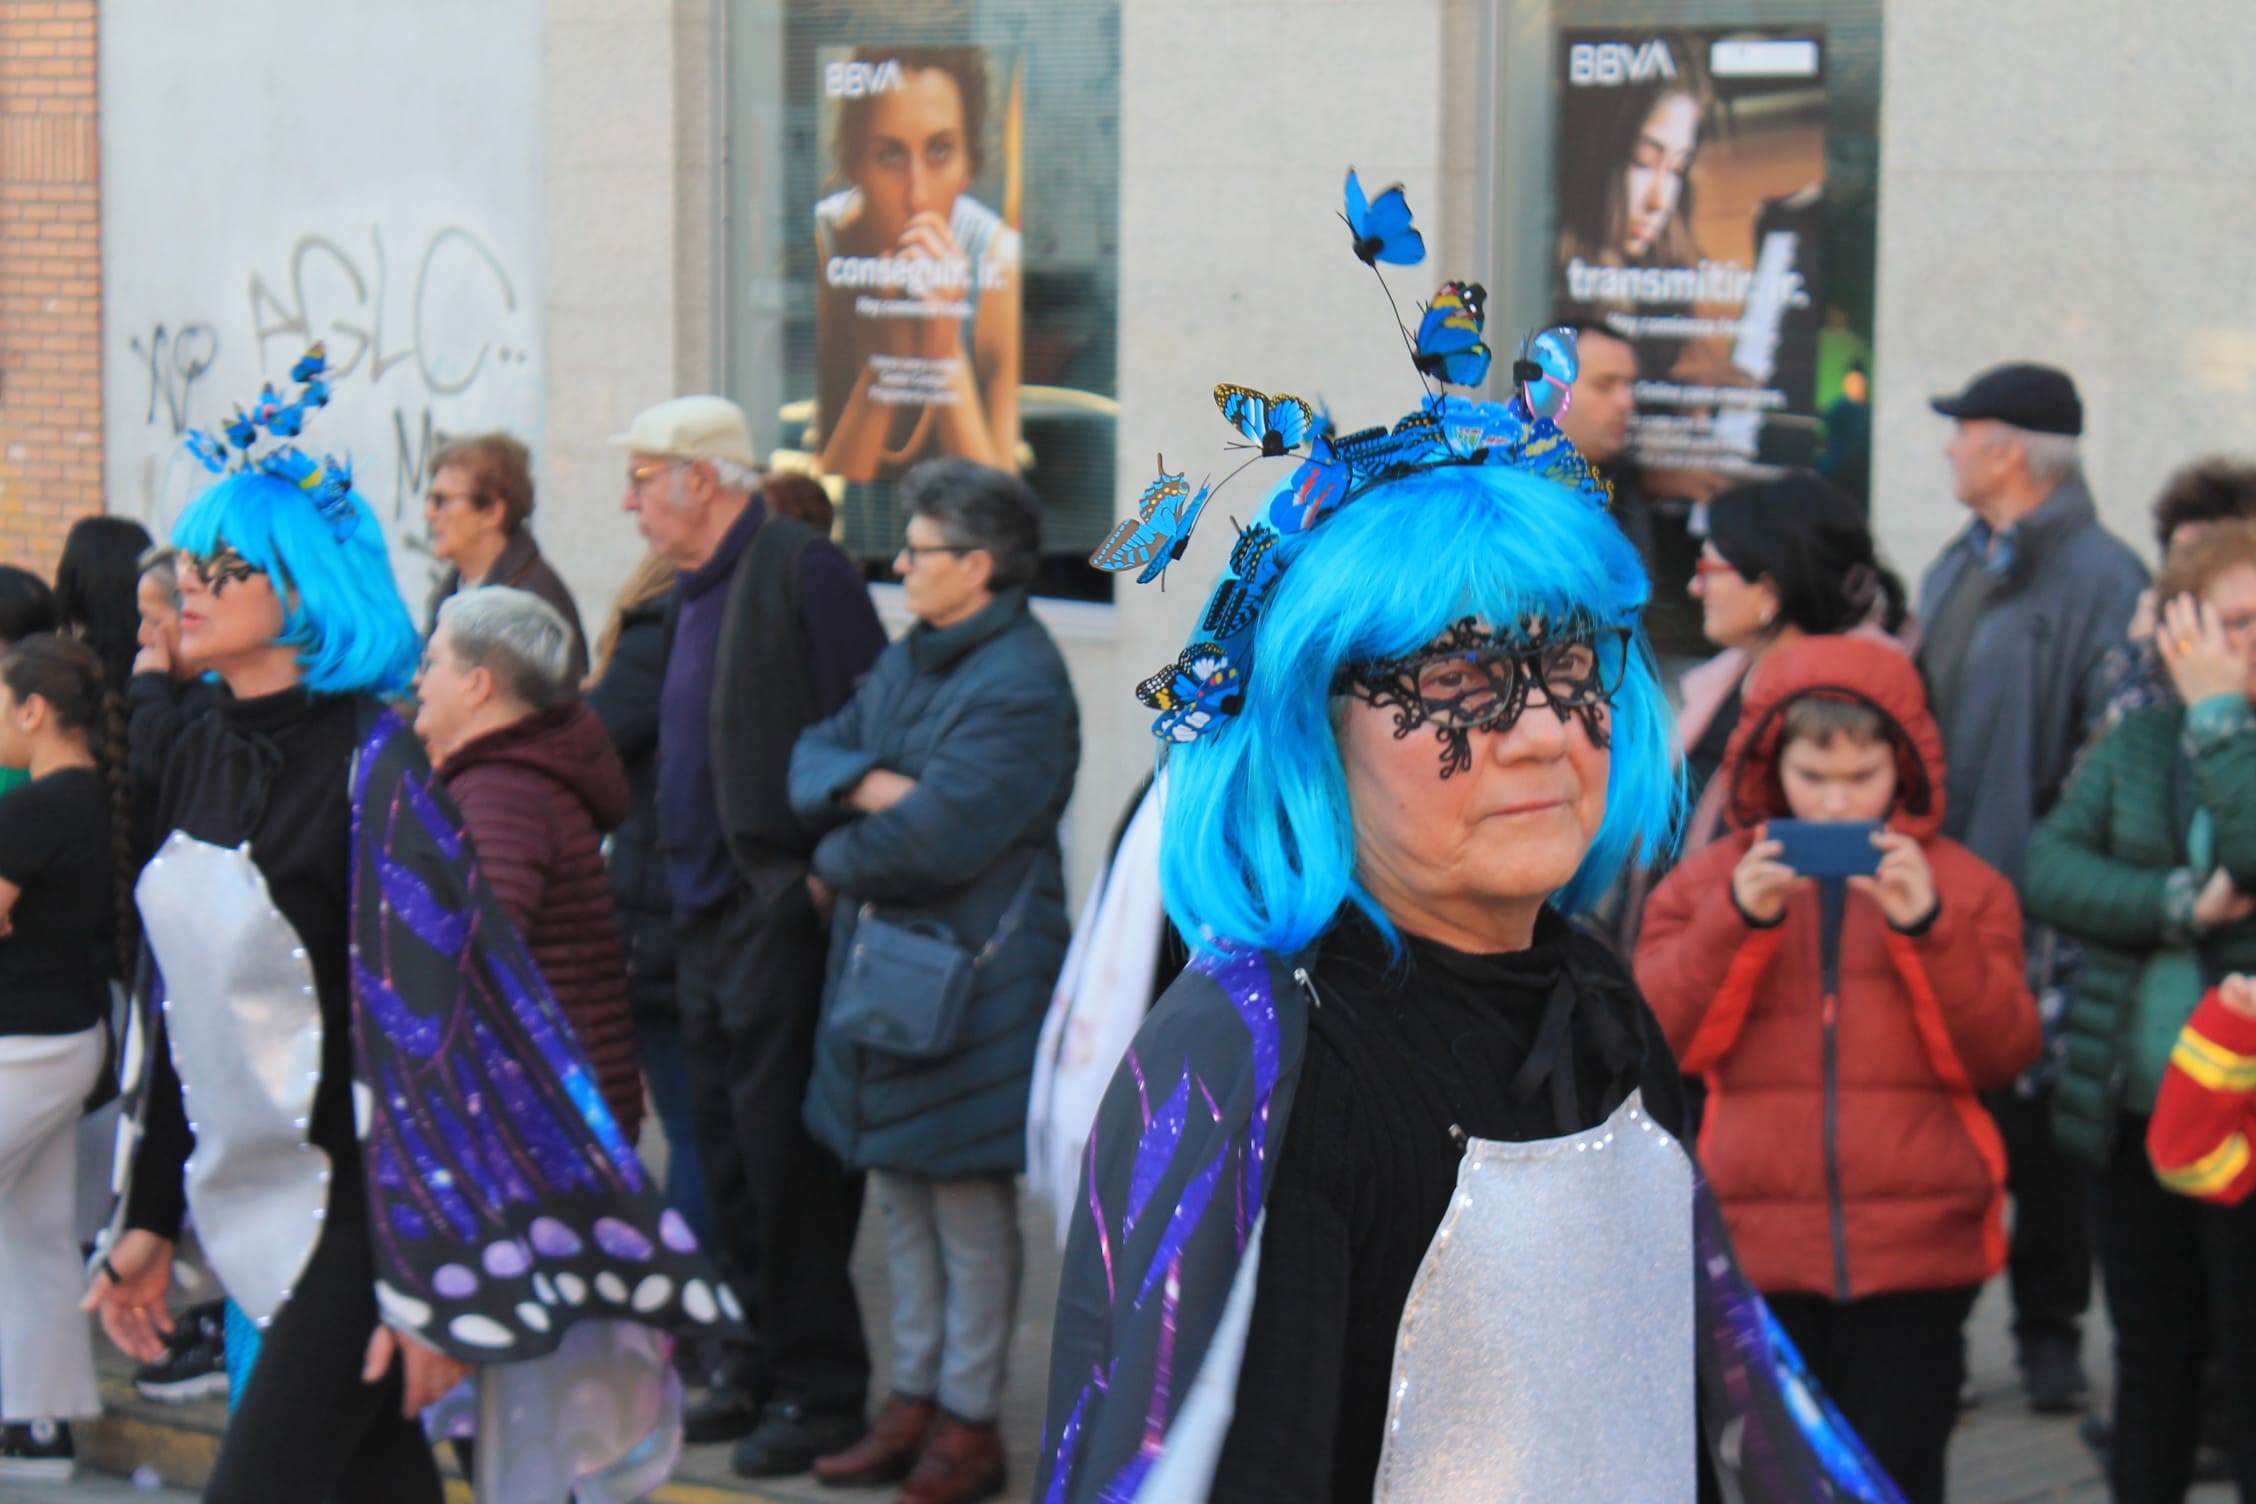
630 673
1600 409
480 500
773 628
2019 612
538 785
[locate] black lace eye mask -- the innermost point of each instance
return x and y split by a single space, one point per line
219 570
1476 678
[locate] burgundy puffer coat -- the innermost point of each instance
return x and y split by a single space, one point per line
538 796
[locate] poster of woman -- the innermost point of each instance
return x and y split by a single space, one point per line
1691 172
918 290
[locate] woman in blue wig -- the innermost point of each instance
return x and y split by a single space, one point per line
1385 1201
401 1166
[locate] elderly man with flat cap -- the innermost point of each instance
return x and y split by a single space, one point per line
772 628
2018 611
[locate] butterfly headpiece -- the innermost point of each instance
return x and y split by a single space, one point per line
1205 685
247 442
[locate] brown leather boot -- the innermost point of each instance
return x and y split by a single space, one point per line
887 1453
960 1463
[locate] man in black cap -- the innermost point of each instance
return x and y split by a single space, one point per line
2019 610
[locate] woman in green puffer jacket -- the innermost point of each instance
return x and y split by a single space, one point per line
2149 859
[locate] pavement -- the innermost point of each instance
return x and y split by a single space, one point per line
91 1489
2002 1453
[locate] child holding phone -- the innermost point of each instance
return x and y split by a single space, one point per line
1844 1024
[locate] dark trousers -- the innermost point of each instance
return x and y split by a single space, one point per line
306 1429
2050 1270
2180 1278
1894 1365
749 982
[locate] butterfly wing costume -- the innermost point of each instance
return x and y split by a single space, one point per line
507 1218
1161 1260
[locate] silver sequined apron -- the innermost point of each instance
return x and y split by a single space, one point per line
1545 1352
245 1029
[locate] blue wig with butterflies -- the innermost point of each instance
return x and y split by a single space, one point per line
299 521
1467 533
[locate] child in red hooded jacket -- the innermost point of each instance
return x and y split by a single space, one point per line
1844 1029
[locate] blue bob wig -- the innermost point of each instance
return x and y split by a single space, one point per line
1259 843
341 606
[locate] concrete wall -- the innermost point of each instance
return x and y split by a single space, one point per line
627 104
364 173
2071 181
1237 124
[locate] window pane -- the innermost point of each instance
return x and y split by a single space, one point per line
923 216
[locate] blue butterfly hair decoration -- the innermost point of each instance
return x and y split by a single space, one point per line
1205 685
239 445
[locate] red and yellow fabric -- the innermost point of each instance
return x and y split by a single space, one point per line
2205 1119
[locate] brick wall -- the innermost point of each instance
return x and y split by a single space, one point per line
50 278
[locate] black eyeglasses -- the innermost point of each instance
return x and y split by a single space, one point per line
1477 679
916 551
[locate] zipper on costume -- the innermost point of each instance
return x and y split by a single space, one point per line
1837 1217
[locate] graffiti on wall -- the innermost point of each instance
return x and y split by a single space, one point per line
421 347
173 359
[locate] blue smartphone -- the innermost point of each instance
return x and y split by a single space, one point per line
1828 848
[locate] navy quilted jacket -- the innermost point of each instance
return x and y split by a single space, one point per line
982 716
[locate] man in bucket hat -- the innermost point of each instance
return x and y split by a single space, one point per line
772 629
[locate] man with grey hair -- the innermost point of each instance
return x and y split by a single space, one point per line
539 786
771 629
2019 611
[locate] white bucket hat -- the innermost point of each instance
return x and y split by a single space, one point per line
691 428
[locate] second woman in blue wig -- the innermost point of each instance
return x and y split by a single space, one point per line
400 1164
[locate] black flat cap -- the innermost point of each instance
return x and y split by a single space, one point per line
2041 399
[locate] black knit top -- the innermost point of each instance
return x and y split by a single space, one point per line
1405 1060
272 771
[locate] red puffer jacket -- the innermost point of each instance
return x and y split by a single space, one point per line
1843 1135
538 796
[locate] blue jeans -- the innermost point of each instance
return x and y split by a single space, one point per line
666 1069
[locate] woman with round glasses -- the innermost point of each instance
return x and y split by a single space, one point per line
1384 1198
354 1075
1785 558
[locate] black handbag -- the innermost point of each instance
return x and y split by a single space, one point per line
907 984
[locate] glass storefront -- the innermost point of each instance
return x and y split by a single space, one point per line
922 201
922 207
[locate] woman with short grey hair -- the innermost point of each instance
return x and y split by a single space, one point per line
539 785
940 787
521 639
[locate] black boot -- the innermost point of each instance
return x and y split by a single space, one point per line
791 1436
729 1409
